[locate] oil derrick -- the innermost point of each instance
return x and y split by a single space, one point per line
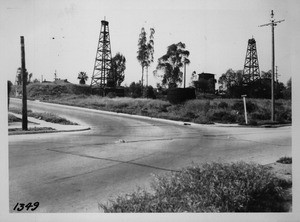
251 67
102 75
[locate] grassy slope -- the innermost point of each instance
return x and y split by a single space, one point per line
48 117
198 111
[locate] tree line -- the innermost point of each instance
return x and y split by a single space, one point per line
233 84
170 67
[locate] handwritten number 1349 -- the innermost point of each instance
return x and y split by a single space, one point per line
22 206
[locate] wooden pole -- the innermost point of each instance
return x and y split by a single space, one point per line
24 83
245 108
273 73
272 24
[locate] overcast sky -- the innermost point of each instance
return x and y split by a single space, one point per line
63 35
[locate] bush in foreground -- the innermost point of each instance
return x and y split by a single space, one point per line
285 160
215 187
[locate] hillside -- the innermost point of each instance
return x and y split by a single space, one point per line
46 91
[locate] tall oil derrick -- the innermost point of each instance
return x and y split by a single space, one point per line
251 68
102 76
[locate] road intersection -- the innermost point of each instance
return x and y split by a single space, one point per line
74 171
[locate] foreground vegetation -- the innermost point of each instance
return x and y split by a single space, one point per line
214 187
285 160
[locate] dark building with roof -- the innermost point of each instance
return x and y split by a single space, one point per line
206 83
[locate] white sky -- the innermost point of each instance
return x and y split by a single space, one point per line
215 32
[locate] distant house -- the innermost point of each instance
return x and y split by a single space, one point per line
57 81
60 81
206 83
45 81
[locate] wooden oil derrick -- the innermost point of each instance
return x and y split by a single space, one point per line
102 76
251 67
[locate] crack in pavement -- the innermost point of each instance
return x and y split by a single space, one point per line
111 160
128 141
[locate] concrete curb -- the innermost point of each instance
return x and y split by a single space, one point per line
46 131
57 128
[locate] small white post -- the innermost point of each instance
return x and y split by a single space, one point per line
245 108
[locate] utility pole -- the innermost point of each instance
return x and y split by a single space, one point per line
24 82
273 23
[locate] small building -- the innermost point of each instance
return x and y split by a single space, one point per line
61 81
206 82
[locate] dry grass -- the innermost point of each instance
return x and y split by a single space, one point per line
48 117
205 110
199 111
214 187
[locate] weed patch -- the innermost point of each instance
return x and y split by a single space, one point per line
214 187
205 110
285 160
12 118
48 117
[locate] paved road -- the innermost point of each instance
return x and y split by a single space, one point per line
73 172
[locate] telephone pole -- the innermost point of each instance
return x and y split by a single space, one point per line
24 83
273 23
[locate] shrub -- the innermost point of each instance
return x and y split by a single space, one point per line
190 115
223 116
239 106
202 119
180 95
149 92
285 160
215 187
111 95
283 116
222 105
261 115
252 122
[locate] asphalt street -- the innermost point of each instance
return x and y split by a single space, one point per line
74 171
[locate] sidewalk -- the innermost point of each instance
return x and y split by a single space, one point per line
33 122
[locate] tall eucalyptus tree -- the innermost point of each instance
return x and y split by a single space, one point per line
171 63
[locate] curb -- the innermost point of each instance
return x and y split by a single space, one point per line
46 131
43 123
